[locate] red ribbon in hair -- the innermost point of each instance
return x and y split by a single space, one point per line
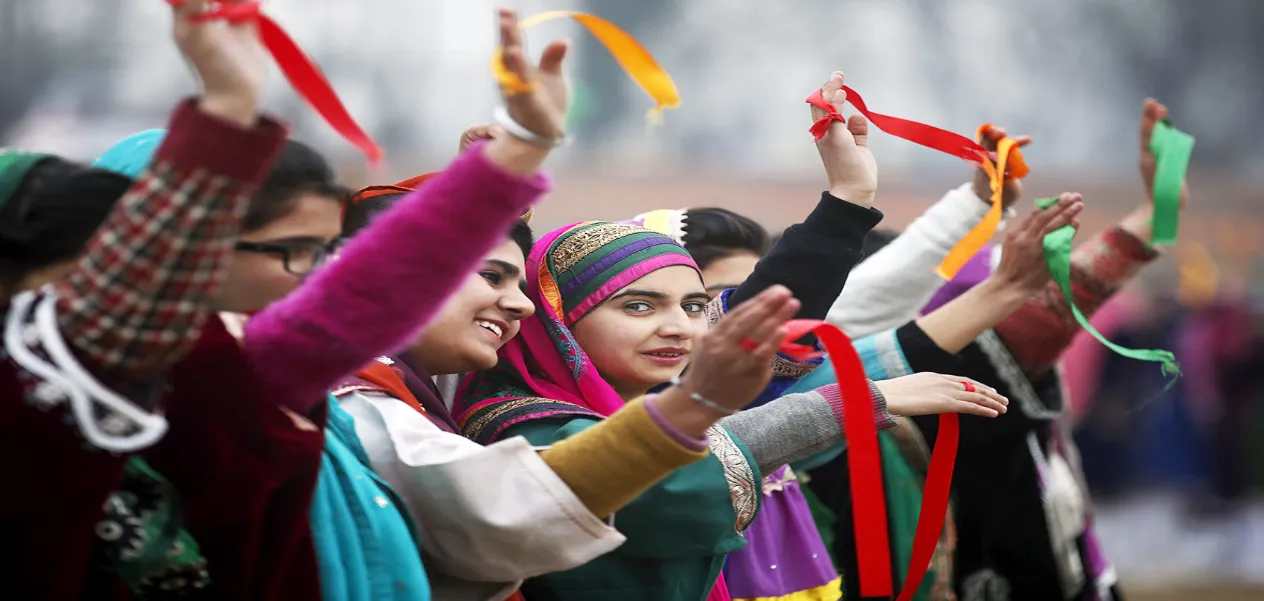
299 69
864 464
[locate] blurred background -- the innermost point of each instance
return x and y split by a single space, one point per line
1178 473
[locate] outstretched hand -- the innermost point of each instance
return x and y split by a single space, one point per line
1013 188
722 369
227 57
1022 265
849 165
927 393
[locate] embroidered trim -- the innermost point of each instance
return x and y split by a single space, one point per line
743 491
789 368
714 310
1009 371
485 424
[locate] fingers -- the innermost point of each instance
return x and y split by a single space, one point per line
554 55
859 128
1036 221
735 326
1071 205
188 9
976 404
829 91
782 308
1151 112
512 54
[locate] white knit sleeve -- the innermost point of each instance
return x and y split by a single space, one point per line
890 287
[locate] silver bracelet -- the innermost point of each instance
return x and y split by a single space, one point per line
705 402
501 117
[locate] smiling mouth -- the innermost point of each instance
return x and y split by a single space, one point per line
490 327
666 357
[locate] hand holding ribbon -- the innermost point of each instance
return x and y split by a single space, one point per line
222 40
843 144
1007 161
636 61
1165 154
1057 247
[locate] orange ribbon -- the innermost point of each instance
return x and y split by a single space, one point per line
636 61
299 69
1005 164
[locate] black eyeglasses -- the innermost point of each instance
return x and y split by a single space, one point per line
301 257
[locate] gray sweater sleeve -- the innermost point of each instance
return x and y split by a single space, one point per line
797 426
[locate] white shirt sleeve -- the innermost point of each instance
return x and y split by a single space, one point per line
888 289
494 514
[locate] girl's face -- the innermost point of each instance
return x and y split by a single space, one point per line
259 274
479 318
642 335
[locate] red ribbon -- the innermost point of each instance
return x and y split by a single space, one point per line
301 71
918 133
864 464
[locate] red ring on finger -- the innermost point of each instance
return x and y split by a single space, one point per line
749 345
969 386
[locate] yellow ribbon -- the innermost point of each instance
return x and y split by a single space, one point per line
977 237
636 61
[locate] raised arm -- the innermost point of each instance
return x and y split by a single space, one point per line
423 248
143 287
813 259
1040 331
890 287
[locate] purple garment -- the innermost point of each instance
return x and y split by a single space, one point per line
784 553
977 269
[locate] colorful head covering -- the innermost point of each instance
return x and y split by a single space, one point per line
543 372
132 154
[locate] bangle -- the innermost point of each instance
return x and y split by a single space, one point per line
502 118
704 401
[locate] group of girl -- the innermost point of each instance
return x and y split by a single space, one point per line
203 403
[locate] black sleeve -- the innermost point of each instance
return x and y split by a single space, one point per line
813 258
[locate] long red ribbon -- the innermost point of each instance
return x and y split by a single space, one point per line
864 464
301 71
918 133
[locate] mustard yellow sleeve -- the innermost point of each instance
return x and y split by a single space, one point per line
612 462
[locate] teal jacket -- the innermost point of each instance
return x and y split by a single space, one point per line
366 546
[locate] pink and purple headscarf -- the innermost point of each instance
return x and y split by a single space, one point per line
543 372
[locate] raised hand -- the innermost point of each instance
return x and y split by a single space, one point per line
1022 266
929 393
541 109
721 369
1151 113
849 165
475 133
227 58
1013 188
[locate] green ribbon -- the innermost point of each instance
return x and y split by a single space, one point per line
1171 148
1057 245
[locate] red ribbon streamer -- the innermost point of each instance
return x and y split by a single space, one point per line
301 71
864 464
918 133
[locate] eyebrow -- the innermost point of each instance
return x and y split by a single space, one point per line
659 295
510 269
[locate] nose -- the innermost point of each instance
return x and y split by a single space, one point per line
516 304
676 324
